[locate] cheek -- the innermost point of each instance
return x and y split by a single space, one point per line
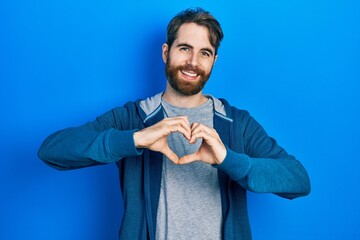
208 66
178 59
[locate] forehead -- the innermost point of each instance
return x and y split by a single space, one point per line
194 34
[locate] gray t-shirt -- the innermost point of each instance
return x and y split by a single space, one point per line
190 202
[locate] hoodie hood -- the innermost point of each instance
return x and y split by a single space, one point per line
152 105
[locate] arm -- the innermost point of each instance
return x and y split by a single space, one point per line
105 140
265 167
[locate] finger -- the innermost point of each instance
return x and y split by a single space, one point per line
182 123
199 135
189 158
196 127
217 148
179 128
211 138
170 125
183 119
170 155
201 131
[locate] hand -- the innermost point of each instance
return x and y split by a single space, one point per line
155 136
212 150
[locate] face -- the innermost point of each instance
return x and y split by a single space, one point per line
190 59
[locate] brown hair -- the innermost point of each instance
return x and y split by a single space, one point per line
200 17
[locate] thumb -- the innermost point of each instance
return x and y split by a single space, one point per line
189 158
170 155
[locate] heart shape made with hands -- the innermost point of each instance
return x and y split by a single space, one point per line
205 145
182 146
211 149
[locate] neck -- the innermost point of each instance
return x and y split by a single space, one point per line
179 100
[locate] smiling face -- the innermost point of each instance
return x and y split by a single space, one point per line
189 60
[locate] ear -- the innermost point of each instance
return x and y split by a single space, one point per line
215 58
165 52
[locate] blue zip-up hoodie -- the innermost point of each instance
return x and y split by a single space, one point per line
254 162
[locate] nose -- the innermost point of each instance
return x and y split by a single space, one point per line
193 59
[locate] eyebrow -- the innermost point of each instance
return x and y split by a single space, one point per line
189 46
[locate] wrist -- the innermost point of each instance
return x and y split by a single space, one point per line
137 139
222 156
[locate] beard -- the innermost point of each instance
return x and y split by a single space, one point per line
186 88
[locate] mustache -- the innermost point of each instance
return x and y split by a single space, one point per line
191 68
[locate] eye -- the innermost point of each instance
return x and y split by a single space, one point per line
205 54
184 49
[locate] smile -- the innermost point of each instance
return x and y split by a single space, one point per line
190 74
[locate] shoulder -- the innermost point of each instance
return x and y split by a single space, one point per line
142 107
231 111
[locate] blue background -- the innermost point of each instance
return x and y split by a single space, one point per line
295 65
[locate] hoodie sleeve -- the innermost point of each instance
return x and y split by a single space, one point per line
107 139
264 167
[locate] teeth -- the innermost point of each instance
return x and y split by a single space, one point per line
189 74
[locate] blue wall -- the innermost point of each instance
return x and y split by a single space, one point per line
295 65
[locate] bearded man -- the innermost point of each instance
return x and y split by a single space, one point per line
185 159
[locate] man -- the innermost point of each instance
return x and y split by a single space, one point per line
185 159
